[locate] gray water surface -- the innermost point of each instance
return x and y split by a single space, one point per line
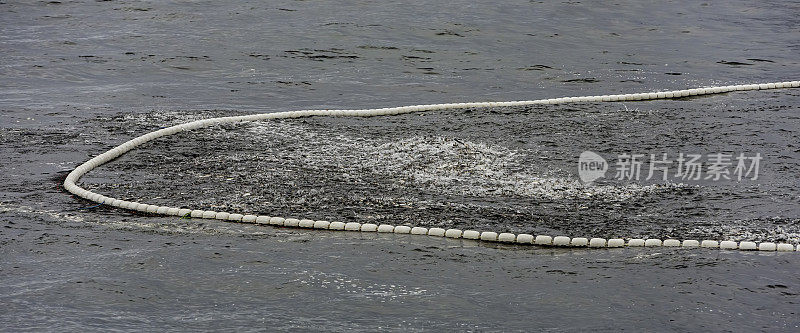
80 77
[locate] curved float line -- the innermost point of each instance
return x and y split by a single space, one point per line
75 175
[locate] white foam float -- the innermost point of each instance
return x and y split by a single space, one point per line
296 223
543 240
506 237
385 228
597 242
438 232
636 242
652 242
402 229
321 225
561 241
524 238
690 243
489 236
748 246
616 242
579 242
767 246
453 233
369 227
471 234
671 243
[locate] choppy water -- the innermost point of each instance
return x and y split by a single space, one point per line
81 77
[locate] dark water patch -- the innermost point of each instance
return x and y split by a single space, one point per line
582 80
449 33
259 56
192 58
293 83
94 59
733 63
759 60
134 9
320 55
535 68
376 47
57 16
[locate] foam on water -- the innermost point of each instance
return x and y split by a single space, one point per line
440 164
153 224
359 288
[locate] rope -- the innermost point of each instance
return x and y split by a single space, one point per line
488 236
